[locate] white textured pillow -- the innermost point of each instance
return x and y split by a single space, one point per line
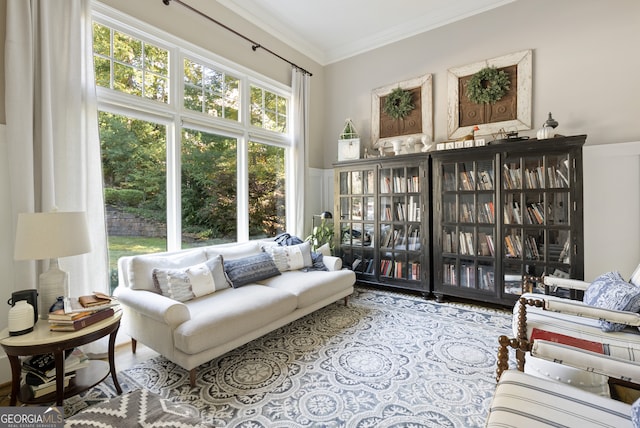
291 257
325 250
142 266
193 281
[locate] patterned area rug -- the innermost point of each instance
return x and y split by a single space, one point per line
386 360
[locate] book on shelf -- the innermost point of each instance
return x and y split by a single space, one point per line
40 369
77 324
48 388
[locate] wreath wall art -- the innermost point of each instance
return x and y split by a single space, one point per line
398 104
403 109
495 94
488 86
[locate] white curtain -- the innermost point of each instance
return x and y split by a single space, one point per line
52 128
300 120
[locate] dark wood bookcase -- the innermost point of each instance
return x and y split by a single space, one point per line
505 212
382 221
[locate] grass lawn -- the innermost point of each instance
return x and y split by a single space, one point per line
120 246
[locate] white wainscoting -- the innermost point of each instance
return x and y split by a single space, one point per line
319 197
611 208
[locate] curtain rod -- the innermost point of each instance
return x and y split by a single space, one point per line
254 45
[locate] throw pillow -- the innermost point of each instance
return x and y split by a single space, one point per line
193 281
325 249
610 291
635 413
250 269
291 257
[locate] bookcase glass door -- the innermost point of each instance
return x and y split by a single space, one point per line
357 219
537 218
400 224
467 224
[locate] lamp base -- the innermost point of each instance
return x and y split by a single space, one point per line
52 284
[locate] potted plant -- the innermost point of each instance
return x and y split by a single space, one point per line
323 233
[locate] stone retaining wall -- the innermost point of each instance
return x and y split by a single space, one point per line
120 223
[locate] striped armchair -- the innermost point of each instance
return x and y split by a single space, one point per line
556 318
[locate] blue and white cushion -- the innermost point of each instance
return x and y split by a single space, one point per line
610 291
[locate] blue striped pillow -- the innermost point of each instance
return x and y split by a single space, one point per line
250 269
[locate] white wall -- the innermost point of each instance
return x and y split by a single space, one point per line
585 67
611 208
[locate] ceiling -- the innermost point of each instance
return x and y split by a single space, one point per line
332 30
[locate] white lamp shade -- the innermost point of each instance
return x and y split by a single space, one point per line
51 235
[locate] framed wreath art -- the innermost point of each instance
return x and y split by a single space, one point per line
402 109
495 93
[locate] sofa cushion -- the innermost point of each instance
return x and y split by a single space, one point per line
610 291
250 269
291 257
312 286
142 266
234 251
228 314
193 281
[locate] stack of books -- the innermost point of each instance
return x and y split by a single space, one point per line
39 371
82 312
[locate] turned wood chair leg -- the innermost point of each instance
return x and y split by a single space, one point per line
346 301
134 344
192 377
503 356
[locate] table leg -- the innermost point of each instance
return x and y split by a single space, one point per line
59 358
16 370
112 360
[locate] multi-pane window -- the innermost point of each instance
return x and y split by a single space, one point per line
209 188
267 211
268 110
204 163
211 91
130 65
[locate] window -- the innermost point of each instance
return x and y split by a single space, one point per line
268 110
210 91
129 65
266 190
209 188
188 160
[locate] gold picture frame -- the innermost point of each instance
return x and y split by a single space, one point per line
522 61
423 86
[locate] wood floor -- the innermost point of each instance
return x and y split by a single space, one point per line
124 360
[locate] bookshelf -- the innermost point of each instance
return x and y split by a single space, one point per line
383 220
505 212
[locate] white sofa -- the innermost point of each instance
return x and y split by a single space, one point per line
193 332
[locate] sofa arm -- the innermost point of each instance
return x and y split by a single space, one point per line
153 305
332 263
